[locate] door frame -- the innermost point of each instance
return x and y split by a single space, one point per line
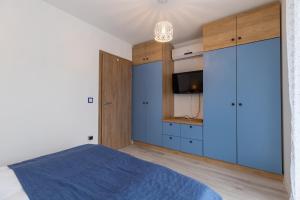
100 97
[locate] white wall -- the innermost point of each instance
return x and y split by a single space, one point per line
286 103
48 67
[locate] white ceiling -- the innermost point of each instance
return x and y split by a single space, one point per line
134 20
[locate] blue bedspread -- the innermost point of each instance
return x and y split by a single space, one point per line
91 172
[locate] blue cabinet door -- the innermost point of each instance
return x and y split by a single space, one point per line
171 129
171 142
153 80
220 104
191 132
191 146
139 96
259 105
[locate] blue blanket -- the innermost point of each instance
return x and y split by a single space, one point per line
93 172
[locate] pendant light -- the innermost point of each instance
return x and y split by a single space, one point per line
163 31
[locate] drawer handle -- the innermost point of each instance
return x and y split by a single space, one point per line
191 141
170 138
171 124
191 126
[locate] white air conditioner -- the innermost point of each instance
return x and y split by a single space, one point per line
187 50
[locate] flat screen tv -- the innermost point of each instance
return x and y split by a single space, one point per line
188 82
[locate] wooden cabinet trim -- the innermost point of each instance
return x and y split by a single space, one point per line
180 120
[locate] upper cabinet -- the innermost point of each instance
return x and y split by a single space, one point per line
258 24
139 54
153 52
220 34
147 52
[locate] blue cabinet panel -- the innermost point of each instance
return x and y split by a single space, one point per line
259 105
171 142
220 104
191 146
153 81
191 132
147 103
139 96
172 129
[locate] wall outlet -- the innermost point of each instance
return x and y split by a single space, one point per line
90 138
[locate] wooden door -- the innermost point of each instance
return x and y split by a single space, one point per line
219 34
115 101
220 104
259 24
259 105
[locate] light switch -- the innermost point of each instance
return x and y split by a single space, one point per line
90 100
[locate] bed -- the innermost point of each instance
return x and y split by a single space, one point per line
91 172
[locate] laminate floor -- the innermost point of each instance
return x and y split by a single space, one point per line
229 183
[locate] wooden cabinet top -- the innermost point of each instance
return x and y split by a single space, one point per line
259 24
150 51
182 120
254 25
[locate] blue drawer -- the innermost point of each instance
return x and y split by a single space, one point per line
191 132
172 129
192 146
171 142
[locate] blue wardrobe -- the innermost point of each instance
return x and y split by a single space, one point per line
147 103
242 105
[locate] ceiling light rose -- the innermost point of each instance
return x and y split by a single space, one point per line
163 31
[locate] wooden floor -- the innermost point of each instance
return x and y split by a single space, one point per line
230 184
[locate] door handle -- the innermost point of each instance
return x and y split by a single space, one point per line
107 103
240 104
188 53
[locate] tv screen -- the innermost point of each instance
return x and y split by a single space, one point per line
188 82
